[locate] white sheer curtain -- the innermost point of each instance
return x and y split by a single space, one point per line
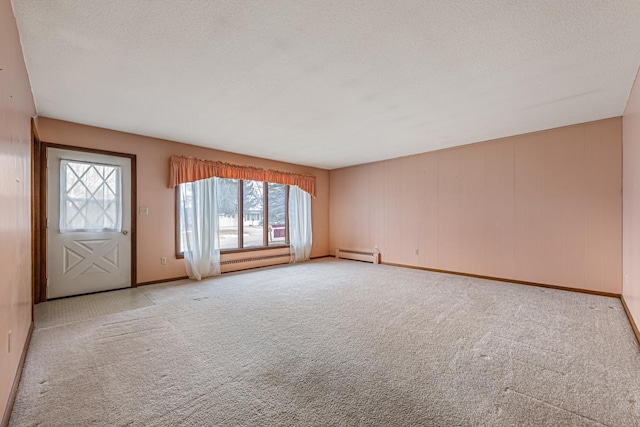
199 220
300 236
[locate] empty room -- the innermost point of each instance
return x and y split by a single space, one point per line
319 213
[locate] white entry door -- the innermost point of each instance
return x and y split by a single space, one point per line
88 222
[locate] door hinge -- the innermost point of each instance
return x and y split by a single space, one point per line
47 222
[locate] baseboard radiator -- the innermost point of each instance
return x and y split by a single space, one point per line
244 261
359 255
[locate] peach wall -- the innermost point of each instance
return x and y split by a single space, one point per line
16 110
156 231
542 207
631 203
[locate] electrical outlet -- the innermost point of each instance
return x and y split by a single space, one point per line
9 342
143 210
376 248
163 260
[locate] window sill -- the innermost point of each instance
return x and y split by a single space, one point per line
235 251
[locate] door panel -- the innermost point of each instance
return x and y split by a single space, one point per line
89 218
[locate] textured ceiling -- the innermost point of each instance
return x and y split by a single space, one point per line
330 83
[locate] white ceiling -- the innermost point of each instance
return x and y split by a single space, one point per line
330 83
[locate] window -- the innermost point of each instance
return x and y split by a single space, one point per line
228 193
256 201
277 210
253 214
185 195
90 197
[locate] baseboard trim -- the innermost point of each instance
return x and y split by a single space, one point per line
155 282
173 279
16 380
636 331
500 279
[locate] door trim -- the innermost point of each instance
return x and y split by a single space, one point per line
35 217
40 192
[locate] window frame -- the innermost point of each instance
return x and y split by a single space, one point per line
265 221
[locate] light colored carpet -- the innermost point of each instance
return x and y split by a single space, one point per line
339 343
85 307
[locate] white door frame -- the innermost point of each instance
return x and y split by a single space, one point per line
44 213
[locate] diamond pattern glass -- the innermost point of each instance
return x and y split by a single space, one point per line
90 197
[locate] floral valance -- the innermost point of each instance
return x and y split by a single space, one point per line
189 169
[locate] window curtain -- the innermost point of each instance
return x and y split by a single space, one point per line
300 235
188 169
200 220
